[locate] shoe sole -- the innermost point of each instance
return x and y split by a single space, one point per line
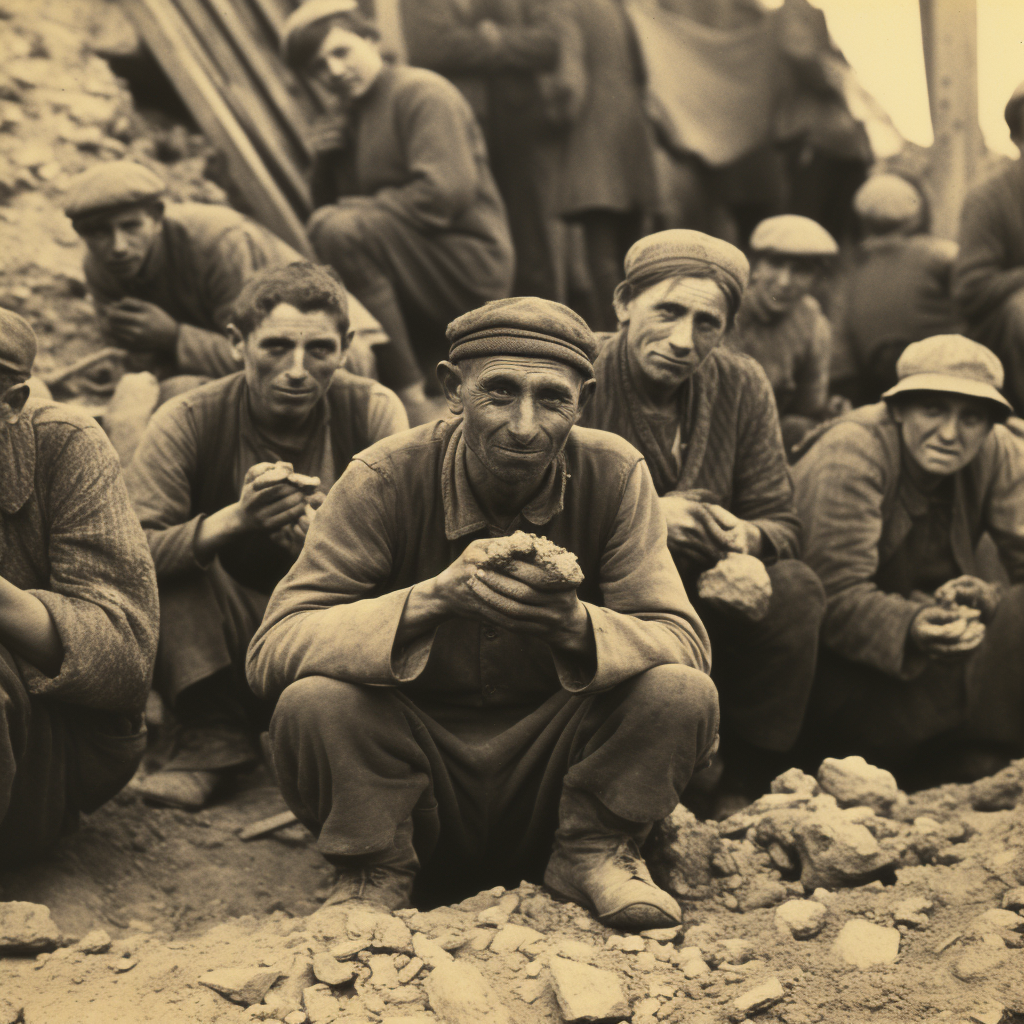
636 917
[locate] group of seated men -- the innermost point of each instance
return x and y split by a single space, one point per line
437 713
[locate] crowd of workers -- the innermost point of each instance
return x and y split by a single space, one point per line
282 555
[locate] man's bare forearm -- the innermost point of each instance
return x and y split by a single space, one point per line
216 530
27 629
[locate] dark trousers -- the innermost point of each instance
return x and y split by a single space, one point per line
764 670
858 709
1003 332
56 760
483 788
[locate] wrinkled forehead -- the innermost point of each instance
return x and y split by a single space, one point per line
535 371
287 322
693 292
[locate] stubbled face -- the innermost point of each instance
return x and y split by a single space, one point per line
942 432
517 413
672 327
780 282
122 241
346 63
289 360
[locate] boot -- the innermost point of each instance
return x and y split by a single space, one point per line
384 877
596 862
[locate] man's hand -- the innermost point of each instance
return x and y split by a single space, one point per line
972 592
293 535
941 633
268 500
703 532
142 326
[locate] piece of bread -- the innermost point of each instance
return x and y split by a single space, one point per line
306 484
738 583
561 570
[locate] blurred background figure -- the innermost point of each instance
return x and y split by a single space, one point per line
898 287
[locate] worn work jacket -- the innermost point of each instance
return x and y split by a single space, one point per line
404 511
857 505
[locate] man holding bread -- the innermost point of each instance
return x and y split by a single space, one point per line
705 419
485 664
226 480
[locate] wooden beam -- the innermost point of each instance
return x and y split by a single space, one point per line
161 26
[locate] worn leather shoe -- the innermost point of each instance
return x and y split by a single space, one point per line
187 791
384 878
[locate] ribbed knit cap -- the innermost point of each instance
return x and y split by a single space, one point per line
17 343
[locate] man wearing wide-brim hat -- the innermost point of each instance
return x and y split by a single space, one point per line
894 498
446 718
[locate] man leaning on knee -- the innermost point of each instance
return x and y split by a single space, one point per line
442 718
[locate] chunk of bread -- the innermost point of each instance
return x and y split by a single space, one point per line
561 570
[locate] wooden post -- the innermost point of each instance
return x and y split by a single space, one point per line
949 29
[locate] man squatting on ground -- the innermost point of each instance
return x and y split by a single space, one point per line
435 714
78 613
224 519
165 277
894 497
704 418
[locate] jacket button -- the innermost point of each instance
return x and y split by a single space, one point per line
491 634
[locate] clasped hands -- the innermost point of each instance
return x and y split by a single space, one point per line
702 532
514 599
141 326
279 502
953 625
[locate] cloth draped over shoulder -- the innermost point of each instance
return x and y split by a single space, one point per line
731 453
69 536
858 506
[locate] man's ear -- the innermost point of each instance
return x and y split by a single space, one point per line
12 403
237 342
586 394
895 412
620 305
450 377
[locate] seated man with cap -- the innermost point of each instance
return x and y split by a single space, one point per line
225 480
165 276
898 289
988 276
445 709
894 498
704 418
781 325
78 613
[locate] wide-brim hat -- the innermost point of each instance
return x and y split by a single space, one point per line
953 364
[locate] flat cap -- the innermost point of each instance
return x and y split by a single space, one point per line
309 13
950 362
792 235
888 197
1011 111
111 185
678 247
17 343
526 326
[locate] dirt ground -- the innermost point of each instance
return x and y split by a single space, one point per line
181 894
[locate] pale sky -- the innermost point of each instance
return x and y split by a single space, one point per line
882 41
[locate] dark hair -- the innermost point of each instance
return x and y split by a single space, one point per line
302 45
632 287
305 286
903 399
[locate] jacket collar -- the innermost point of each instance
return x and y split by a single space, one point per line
462 512
17 462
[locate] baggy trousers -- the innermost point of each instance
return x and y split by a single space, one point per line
764 670
56 760
354 762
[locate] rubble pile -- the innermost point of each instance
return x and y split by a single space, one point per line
828 900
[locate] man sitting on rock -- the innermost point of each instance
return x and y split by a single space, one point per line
78 613
165 277
781 325
450 692
894 498
704 418
225 481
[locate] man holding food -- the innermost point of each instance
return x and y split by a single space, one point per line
484 646
226 481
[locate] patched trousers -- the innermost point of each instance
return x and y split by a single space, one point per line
483 786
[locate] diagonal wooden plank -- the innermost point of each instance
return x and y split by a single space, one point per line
168 38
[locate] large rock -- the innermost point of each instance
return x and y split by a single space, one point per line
26 928
585 993
320 1006
242 985
835 852
679 850
863 944
759 998
737 584
803 919
10 1013
999 792
458 994
854 782
331 971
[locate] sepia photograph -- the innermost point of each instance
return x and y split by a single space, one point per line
512 511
